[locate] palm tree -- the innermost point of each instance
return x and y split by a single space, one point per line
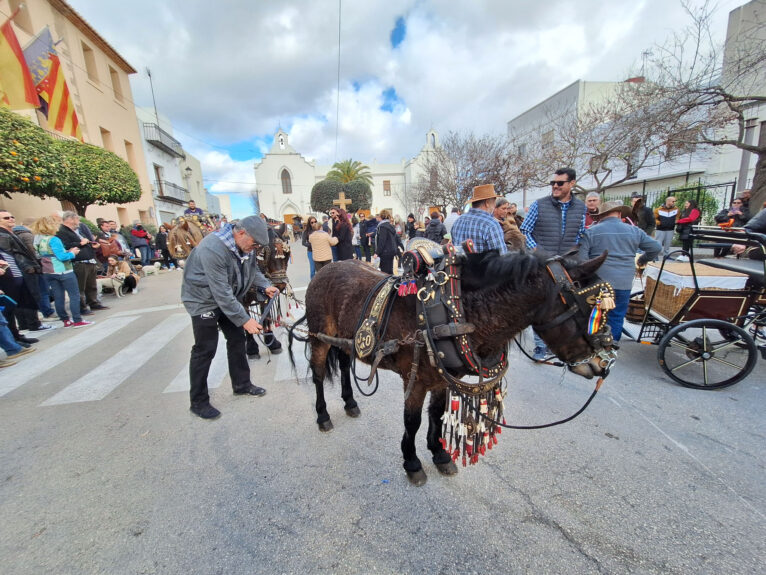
350 171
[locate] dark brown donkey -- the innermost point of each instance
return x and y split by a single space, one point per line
502 295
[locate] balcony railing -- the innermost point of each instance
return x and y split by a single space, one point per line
171 192
164 141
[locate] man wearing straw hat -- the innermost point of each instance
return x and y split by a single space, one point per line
622 241
479 224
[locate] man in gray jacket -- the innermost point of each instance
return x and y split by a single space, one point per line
217 275
623 242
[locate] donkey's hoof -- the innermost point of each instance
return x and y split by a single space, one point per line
417 478
325 426
448 468
353 411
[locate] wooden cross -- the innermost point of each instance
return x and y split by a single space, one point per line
343 201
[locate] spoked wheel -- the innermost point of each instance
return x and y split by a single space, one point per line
707 354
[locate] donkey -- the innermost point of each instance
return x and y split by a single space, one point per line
502 295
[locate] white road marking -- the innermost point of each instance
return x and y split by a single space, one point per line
148 310
284 371
97 383
79 340
219 369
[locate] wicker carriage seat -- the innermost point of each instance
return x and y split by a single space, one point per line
752 268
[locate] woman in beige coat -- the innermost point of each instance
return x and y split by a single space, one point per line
321 246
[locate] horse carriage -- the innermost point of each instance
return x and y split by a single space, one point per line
444 326
708 314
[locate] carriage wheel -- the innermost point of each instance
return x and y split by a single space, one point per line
704 354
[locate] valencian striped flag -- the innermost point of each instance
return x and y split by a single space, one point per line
55 100
17 90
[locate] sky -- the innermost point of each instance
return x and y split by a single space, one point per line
230 73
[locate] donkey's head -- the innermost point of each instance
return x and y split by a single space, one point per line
565 321
556 296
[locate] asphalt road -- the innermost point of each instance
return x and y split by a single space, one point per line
104 470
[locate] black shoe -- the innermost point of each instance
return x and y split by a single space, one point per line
253 350
205 411
86 312
25 339
99 306
23 343
254 355
274 346
252 390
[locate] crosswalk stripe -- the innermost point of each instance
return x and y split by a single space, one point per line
149 309
96 385
219 369
284 370
21 373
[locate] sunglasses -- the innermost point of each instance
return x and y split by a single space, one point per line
558 183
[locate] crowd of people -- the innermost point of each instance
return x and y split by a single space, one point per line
56 267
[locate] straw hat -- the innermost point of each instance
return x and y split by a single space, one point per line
484 192
613 206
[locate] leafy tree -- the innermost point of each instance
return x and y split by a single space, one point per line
718 93
349 171
324 193
27 161
92 175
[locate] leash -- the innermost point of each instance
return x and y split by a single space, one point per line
544 425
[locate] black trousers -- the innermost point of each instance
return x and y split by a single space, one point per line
86 280
167 259
205 328
387 264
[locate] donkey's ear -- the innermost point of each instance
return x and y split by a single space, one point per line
587 268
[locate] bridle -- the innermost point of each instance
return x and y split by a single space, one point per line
580 301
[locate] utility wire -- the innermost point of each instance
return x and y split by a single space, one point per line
337 92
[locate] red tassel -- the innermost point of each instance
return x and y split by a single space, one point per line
482 450
490 444
455 454
413 288
499 430
444 443
494 440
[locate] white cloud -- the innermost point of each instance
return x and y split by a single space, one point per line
234 71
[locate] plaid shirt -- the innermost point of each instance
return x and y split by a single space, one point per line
226 233
482 228
528 225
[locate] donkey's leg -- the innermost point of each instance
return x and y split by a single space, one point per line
317 362
347 392
413 409
441 457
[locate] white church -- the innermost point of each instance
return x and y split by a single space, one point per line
284 178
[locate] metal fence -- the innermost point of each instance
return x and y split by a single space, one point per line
711 198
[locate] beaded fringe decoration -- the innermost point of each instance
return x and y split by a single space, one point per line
466 435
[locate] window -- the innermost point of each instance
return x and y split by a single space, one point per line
159 184
386 187
22 19
90 62
547 139
130 154
116 86
522 150
287 186
106 139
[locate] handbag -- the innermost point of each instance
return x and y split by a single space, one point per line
47 265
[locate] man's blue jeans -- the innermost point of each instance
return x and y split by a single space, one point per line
146 255
616 317
45 295
65 284
312 267
7 342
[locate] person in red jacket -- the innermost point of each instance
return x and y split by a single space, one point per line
690 216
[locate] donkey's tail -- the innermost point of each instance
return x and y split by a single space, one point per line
291 335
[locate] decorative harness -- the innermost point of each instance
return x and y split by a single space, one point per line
474 412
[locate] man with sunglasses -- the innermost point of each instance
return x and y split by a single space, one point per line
217 276
554 225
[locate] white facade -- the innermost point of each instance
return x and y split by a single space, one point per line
284 179
164 156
